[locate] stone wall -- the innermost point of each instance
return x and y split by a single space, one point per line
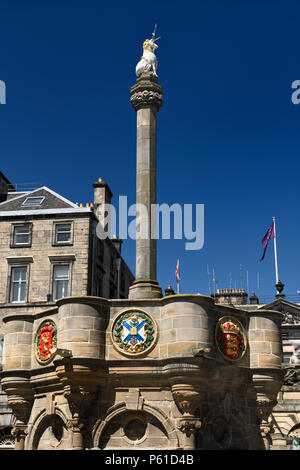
180 393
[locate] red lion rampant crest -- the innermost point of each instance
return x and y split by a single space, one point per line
46 340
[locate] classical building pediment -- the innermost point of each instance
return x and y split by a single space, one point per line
290 310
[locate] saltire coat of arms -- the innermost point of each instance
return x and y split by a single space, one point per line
134 332
46 341
231 338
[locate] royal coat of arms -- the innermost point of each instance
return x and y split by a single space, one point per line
230 338
134 332
46 341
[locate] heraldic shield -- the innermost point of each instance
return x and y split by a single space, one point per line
46 341
231 338
134 332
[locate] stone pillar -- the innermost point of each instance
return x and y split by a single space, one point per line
188 400
80 380
19 399
146 98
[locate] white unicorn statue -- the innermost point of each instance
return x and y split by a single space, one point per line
148 62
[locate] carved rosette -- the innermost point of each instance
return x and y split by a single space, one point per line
146 93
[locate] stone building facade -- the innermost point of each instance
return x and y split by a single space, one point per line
285 417
49 249
168 396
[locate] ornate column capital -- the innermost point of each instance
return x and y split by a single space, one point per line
146 93
264 409
189 426
187 398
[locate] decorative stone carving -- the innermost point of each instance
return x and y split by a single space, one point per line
146 93
146 98
292 375
134 333
264 408
187 398
291 318
80 385
21 409
295 358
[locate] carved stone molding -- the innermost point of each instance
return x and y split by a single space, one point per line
264 409
189 426
20 408
146 98
79 400
20 433
146 93
187 398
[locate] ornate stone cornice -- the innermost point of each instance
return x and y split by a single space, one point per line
146 93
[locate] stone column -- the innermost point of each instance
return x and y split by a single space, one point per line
146 98
188 400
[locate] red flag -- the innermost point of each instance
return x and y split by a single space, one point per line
177 271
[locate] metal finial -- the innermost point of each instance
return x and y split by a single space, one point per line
154 32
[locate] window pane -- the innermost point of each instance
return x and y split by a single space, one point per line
63 237
63 228
22 292
21 239
61 272
19 274
61 289
33 201
63 233
15 293
18 284
21 235
61 281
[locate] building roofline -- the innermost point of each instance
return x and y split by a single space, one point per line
65 210
28 194
2 176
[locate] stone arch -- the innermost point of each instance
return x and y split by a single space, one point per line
118 416
293 437
49 431
224 430
7 440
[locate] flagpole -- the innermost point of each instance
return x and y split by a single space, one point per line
275 253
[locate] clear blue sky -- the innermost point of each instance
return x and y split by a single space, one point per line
228 133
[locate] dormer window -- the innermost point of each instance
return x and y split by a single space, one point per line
33 201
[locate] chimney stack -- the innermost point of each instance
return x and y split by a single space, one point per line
102 199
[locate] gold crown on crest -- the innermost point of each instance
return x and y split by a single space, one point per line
229 327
